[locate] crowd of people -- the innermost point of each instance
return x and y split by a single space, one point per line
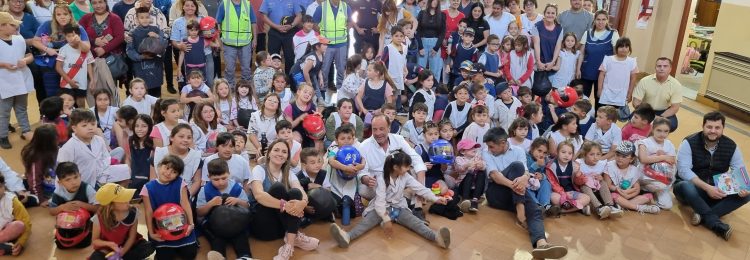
446 105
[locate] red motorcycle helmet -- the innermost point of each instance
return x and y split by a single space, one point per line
171 222
72 227
567 98
208 26
314 126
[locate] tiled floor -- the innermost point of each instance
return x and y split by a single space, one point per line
491 234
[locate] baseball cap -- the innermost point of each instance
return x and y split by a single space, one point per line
467 65
479 68
113 192
7 18
469 31
500 87
626 147
467 144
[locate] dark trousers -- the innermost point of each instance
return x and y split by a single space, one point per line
140 250
278 41
168 70
589 87
219 244
472 186
262 38
183 252
709 209
673 123
156 92
41 94
504 198
271 224
368 37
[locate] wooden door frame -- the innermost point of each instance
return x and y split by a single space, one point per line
681 36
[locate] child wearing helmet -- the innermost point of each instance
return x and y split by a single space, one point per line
169 217
115 226
16 227
70 196
344 183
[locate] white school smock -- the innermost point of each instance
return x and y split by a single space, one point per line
16 82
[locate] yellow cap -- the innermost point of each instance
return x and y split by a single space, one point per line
113 192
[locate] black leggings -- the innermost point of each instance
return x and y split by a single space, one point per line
140 250
219 244
472 186
271 224
183 252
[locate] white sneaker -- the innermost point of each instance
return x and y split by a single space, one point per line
305 242
285 252
586 210
695 219
341 237
603 211
653 209
464 206
616 211
443 237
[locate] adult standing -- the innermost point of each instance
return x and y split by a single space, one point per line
15 78
499 20
547 36
190 10
480 26
452 17
595 45
177 10
334 17
365 28
42 10
48 39
530 17
661 91
577 19
465 7
278 15
105 28
80 8
506 190
27 29
279 200
431 36
237 22
390 16
701 156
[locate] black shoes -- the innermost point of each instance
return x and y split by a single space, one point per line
5 143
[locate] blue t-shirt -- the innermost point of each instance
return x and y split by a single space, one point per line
318 15
29 26
220 11
46 29
462 54
121 9
368 12
277 9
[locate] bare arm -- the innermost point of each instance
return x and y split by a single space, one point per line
672 110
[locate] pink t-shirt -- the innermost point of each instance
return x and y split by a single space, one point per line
633 134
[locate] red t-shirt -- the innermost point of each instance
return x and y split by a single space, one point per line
451 25
633 134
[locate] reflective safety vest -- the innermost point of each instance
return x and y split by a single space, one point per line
236 30
334 28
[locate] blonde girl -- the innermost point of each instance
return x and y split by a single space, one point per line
592 169
563 174
566 62
375 91
226 104
298 111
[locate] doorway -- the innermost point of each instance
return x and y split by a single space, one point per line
699 19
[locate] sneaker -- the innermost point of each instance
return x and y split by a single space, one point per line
443 237
285 252
553 211
214 255
603 211
616 211
341 237
549 251
305 242
695 219
653 209
5 143
474 206
464 205
171 90
722 230
586 210
6 248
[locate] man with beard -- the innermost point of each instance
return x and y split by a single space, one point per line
376 148
701 156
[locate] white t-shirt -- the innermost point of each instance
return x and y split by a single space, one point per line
499 26
526 144
296 147
259 174
559 138
144 106
632 173
652 147
616 79
69 57
610 138
239 168
301 40
595 169
106 121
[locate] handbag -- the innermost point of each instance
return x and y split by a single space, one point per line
117 66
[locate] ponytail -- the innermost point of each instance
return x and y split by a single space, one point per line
395 158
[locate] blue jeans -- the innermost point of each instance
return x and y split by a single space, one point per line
435 62
336 55
231 55
709 209
504 198
542 195
672 120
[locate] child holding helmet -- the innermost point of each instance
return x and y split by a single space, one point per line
437 154
72 202
169 217
345 159
115 226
